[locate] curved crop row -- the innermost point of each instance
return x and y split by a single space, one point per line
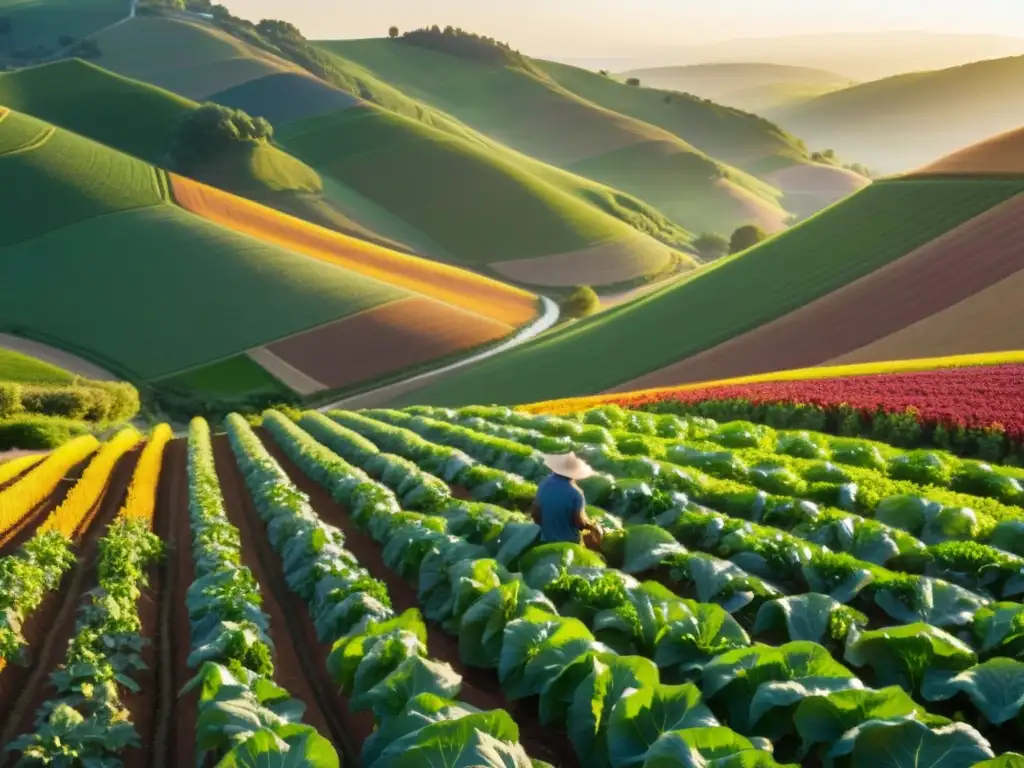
86 718
140 503
908 526
377 658
18 499
82 499
27 576
798 565
230 640
469 593
14 467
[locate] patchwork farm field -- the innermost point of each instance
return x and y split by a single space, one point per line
875 227
42 22
368 587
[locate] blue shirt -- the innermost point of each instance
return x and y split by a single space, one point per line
559 500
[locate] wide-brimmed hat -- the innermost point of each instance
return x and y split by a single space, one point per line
568 465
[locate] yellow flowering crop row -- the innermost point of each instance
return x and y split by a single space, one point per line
19 499
142 493
68 517
15 467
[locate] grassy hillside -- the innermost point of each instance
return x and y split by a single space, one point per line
874 227
749 86
530 111
99 263
15 366
37 25
463 196
998 155
903 122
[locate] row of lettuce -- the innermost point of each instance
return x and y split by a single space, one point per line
557 623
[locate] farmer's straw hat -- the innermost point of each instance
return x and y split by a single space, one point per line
568 465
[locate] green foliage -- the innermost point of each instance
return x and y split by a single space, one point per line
634 81
746 237
33 432
581 302
467 45
211 131
711 246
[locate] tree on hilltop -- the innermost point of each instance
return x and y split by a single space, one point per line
393 32
710 246
746 237
210 131
634 81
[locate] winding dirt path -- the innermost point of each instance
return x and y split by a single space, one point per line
480 688
24 689
300 658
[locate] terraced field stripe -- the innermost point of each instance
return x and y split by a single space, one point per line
35 143
287 374
474 293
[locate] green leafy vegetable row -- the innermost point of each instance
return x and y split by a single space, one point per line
378 659
804 463
547 567
26 577
505 624
85 722
888 540
244 718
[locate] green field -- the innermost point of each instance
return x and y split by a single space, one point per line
532 113
41 22
149 292
15 366
237 376
906 121
71 178
125 114
460 195
845 242
723 132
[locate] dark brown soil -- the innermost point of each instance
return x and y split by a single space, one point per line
26 527
480 688
970 258
300 659
24 689
404 334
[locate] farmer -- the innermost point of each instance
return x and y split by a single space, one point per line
559 507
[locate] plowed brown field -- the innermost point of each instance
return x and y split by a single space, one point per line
473 293
386 339
1002 154
964 261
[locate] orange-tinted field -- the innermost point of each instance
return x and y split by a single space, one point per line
401 334
1002 154
474 293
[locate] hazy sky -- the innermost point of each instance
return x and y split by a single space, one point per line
587 27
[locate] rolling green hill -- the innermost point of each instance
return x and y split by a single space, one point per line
839 245
901 122
34 27
749 86
14 366
525 108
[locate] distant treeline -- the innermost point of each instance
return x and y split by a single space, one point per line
466 45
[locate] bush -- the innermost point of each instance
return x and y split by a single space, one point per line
99 402
634 81
466 45
212 130
746 237
10 399
39 432
711 246
581 302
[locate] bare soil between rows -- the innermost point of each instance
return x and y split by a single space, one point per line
300 659
480 688
48 630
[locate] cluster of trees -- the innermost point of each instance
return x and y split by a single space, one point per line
581 302
828 157
711 246
212 130
458 42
